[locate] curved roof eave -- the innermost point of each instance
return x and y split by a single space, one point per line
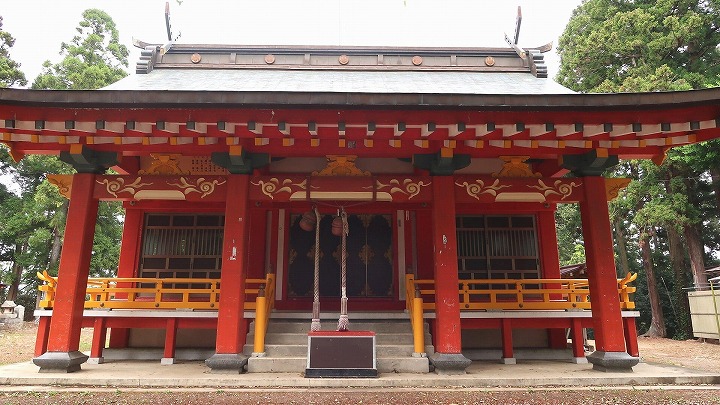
214 99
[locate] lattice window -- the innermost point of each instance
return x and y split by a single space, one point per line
204 165
182 246
497 247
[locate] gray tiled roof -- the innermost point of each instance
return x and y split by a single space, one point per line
340 81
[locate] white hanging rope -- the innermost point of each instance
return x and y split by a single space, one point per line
315 324
343 321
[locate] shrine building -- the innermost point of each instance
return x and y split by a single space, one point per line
269 191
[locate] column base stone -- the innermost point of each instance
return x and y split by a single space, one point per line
449 363
60 362
96 360
612 361
227 363
508 360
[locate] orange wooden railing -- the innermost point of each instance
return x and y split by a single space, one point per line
156 293
538 294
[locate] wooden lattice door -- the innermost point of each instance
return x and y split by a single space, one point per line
369 257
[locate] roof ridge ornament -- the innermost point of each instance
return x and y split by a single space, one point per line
514 43
148 55
168 26
536 61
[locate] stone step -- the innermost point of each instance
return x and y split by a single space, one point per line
284 350
276 364
301 338
280 350
403 365
286 345
282 326
298 365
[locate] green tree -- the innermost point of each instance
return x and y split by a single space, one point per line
34 231
643 46
570 243
623 45
93 59
10 73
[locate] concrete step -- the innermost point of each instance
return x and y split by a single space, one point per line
332 316
301 338
284 326
286 345
403 365
384 351
298 365
284 350
276 364
272 350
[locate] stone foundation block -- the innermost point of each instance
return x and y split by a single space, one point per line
60 362
227 363
450 363
612 361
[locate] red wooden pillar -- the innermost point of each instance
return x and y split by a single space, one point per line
631 341
232 328
599 254
448 356
98 341
41 340
170 340
128 265
257 251
423 223
64 339
578 342
550 259
507 341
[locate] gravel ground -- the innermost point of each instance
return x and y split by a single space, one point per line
17 341
691 354
394 396
17 344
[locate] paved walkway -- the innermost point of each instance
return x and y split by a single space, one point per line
479 374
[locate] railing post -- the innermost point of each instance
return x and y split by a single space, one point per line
418 324
466 296
409 291
158 292
260 323
519 294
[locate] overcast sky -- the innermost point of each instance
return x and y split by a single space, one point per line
39 26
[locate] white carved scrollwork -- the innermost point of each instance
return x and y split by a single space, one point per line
560 188
202 186
275 186
478 188
117 186
408 187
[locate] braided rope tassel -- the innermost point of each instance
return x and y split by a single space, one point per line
315 324
344 322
